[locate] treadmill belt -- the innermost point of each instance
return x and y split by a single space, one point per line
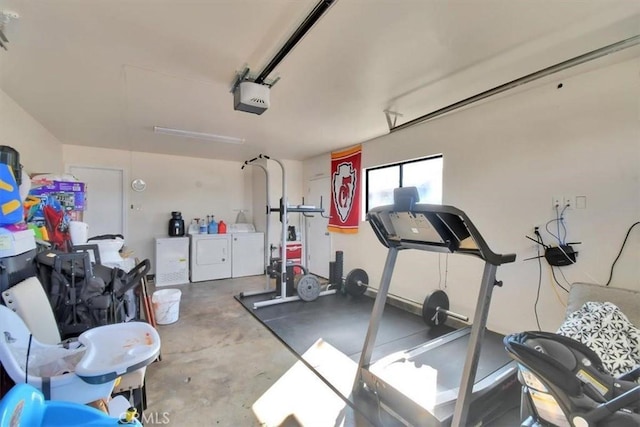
448 359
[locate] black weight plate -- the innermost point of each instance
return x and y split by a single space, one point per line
308 287
356 282
429 313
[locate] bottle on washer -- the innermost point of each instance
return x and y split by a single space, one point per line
213 226
194 227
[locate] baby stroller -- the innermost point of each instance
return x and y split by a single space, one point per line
564 384
83 295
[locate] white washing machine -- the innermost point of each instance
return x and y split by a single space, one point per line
210 257
247 254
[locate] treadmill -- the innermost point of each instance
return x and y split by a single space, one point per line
430 385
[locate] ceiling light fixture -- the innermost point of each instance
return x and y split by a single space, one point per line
199 135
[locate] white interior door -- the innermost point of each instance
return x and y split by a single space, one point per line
105 199
317 238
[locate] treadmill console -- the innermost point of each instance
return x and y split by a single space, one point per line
436 228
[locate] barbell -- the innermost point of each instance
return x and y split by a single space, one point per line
435 309
308 287
356 282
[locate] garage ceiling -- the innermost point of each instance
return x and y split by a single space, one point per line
103 73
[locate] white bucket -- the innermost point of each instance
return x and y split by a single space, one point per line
79 232
166 305
109 250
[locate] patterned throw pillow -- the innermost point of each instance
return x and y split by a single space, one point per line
606 330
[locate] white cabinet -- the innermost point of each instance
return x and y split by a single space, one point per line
172 261
210 257
247 254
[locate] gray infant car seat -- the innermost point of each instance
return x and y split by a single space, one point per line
564 384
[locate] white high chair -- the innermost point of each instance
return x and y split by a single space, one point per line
105 353
29 300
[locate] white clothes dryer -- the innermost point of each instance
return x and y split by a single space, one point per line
210 256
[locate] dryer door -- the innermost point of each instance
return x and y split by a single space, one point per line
211 251
211 258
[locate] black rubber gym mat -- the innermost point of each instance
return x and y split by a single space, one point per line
342 321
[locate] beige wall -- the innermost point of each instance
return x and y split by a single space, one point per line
196 187
39 150
503 162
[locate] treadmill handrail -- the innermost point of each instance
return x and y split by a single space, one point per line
452 226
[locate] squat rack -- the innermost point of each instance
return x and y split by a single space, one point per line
266 229
284 209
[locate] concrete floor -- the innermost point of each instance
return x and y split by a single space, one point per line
217 360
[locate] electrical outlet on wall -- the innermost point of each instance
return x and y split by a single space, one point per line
536 230
557 202
568 202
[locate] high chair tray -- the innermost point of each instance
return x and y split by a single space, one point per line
114 350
